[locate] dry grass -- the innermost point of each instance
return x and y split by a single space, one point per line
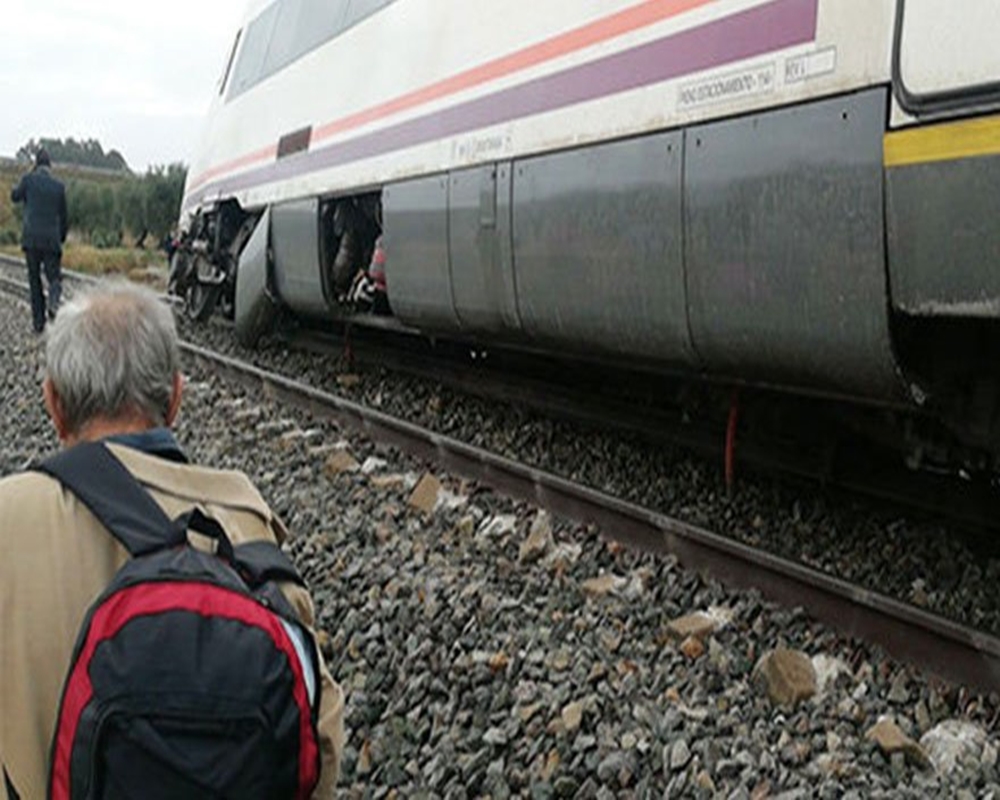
146 266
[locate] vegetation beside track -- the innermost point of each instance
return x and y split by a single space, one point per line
107 209
117 218
148 266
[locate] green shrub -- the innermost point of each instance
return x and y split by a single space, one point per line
106 239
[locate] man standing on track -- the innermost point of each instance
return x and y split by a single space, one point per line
113 376
45 226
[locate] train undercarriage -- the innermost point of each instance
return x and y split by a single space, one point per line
952 425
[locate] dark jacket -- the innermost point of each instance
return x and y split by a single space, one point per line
45 219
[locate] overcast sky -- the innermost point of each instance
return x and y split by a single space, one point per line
137 75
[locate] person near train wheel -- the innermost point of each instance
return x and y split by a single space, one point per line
370 290
44 229
380 295
113 384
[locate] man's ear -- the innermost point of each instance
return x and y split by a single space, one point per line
53 404
175 399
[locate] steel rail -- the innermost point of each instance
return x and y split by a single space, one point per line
12 261
974 506
938 645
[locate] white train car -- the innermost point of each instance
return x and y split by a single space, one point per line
791 193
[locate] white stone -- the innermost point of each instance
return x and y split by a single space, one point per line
373 465
565 554
951 740
828 670
722 616
449 501
680 755
636 587
499 526
989 755
495 736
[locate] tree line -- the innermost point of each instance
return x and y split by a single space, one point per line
143 206
86 153
111 210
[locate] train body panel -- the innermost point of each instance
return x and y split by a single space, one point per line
599 250
295 240
480 250
944 234
417 214
786 258
944 63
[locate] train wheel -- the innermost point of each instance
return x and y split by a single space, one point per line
200 300
180 266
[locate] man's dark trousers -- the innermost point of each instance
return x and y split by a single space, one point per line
50 260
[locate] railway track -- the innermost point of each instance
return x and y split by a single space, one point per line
551 389
950 650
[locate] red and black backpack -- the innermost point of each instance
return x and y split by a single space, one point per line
192 677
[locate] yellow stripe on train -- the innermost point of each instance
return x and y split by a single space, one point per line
950 141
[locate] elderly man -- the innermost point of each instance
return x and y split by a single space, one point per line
43 233
112 376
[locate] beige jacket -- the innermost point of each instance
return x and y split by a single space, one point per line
55 559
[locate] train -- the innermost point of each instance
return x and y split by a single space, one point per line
797 195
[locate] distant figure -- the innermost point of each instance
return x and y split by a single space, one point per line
169 244
45 226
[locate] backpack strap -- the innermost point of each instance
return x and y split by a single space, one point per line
103 484
263 562
11 791
195 520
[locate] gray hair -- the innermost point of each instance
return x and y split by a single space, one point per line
113 350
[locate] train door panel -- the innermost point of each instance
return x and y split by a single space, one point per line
946 55
418 271
481 269
598 249
786 250
295 240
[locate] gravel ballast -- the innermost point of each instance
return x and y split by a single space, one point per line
488 650
915 560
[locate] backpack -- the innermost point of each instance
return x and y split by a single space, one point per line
192 677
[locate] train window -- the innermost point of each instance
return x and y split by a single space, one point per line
281 49
288 29
945 51
359 9
250 63
229 62
302 26
319 22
